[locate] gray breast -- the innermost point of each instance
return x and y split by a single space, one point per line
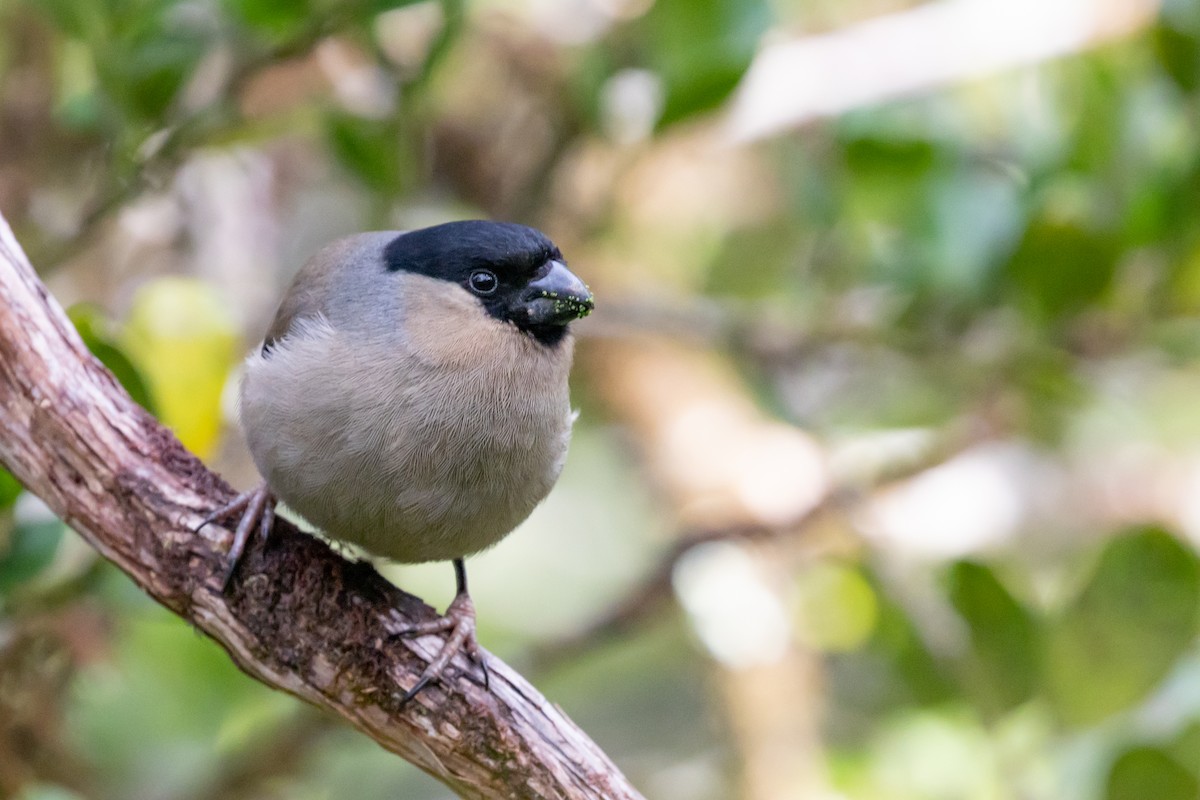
413 455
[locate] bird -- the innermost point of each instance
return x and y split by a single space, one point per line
410 397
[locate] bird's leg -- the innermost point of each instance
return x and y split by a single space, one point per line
258 508
459 619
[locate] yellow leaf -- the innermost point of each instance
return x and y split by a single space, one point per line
183 340
835 608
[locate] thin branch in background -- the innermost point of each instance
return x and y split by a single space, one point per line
652 594
745 329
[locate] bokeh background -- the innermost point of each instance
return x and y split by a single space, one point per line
887 480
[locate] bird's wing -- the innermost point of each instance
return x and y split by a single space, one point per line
298 304
333 282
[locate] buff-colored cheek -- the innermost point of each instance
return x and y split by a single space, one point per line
445 324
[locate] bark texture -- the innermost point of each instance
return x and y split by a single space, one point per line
297 617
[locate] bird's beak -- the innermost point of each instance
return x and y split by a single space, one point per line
558 297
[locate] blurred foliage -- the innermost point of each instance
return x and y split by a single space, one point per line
699 49
1001 667
9 489
836 607
1124 632
29 549
1146 772
1019 255
93 327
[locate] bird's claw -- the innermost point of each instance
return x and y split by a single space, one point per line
459 619
257 507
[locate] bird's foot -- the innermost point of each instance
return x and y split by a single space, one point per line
257 507
459 619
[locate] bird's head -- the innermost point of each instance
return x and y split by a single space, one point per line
515 272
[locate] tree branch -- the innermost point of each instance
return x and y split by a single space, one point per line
298 617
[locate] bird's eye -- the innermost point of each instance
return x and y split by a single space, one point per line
483 281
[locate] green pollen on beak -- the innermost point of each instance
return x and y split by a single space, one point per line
574 307
568 305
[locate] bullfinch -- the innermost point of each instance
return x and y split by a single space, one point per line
411 398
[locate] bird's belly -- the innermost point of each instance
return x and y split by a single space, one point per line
407 513
414 478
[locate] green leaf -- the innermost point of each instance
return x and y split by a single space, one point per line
903 158
1060 268
1177 44
1142 773
277 18
91 323
29 550
138 53
369 149
1124 632
905 658
1001 670
154 71
700 49
886 171
1186 747
834 607
10 488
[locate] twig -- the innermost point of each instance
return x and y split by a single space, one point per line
298 618
651 594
